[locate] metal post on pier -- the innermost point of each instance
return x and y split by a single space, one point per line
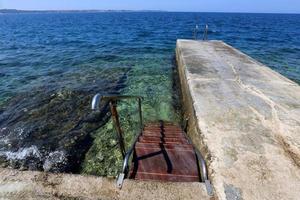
205 34
195 32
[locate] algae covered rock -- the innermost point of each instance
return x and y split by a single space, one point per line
47 131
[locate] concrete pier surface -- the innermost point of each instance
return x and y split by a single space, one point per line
17 185
245 119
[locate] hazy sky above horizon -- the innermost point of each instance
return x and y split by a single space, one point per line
274 6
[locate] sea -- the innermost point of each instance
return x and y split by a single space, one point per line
51 65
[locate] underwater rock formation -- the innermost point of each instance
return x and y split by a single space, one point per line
47 132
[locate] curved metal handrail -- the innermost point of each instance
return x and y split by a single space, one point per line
96 101
126 155
123 174
195 32
203 167
205 33
98 98
204 174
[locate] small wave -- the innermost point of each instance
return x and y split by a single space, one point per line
22 154
4 141
3 129
55 160
17 132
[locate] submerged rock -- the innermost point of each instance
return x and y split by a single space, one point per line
48 132
57 122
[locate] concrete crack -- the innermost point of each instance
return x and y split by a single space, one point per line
256 92
275 125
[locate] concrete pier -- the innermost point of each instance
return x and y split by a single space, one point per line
245 119
17 185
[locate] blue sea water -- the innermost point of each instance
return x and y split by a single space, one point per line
49 63
69 50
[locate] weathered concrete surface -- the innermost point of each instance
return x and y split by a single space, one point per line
16 184
245 118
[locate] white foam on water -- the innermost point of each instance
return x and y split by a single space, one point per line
19 131
54 158
6 133
3 129
22 153
4 141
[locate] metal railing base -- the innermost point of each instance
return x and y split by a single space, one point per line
120 180
209 188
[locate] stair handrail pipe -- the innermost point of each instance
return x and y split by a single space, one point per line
195 32
203 167
98 98
205 34
112 99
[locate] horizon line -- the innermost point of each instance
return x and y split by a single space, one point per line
136 10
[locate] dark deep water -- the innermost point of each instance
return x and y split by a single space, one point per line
52 64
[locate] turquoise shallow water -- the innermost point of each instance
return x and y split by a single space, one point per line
52 64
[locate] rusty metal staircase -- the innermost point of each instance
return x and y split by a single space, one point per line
161 152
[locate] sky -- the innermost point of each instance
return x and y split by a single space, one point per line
257 6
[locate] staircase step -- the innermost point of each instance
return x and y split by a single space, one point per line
163 129
146 139
164 133
163 153
159 146
172 163
164 177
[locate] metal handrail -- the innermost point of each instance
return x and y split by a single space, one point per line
97 98
195 32
126 155
122 175
205 33
203 167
